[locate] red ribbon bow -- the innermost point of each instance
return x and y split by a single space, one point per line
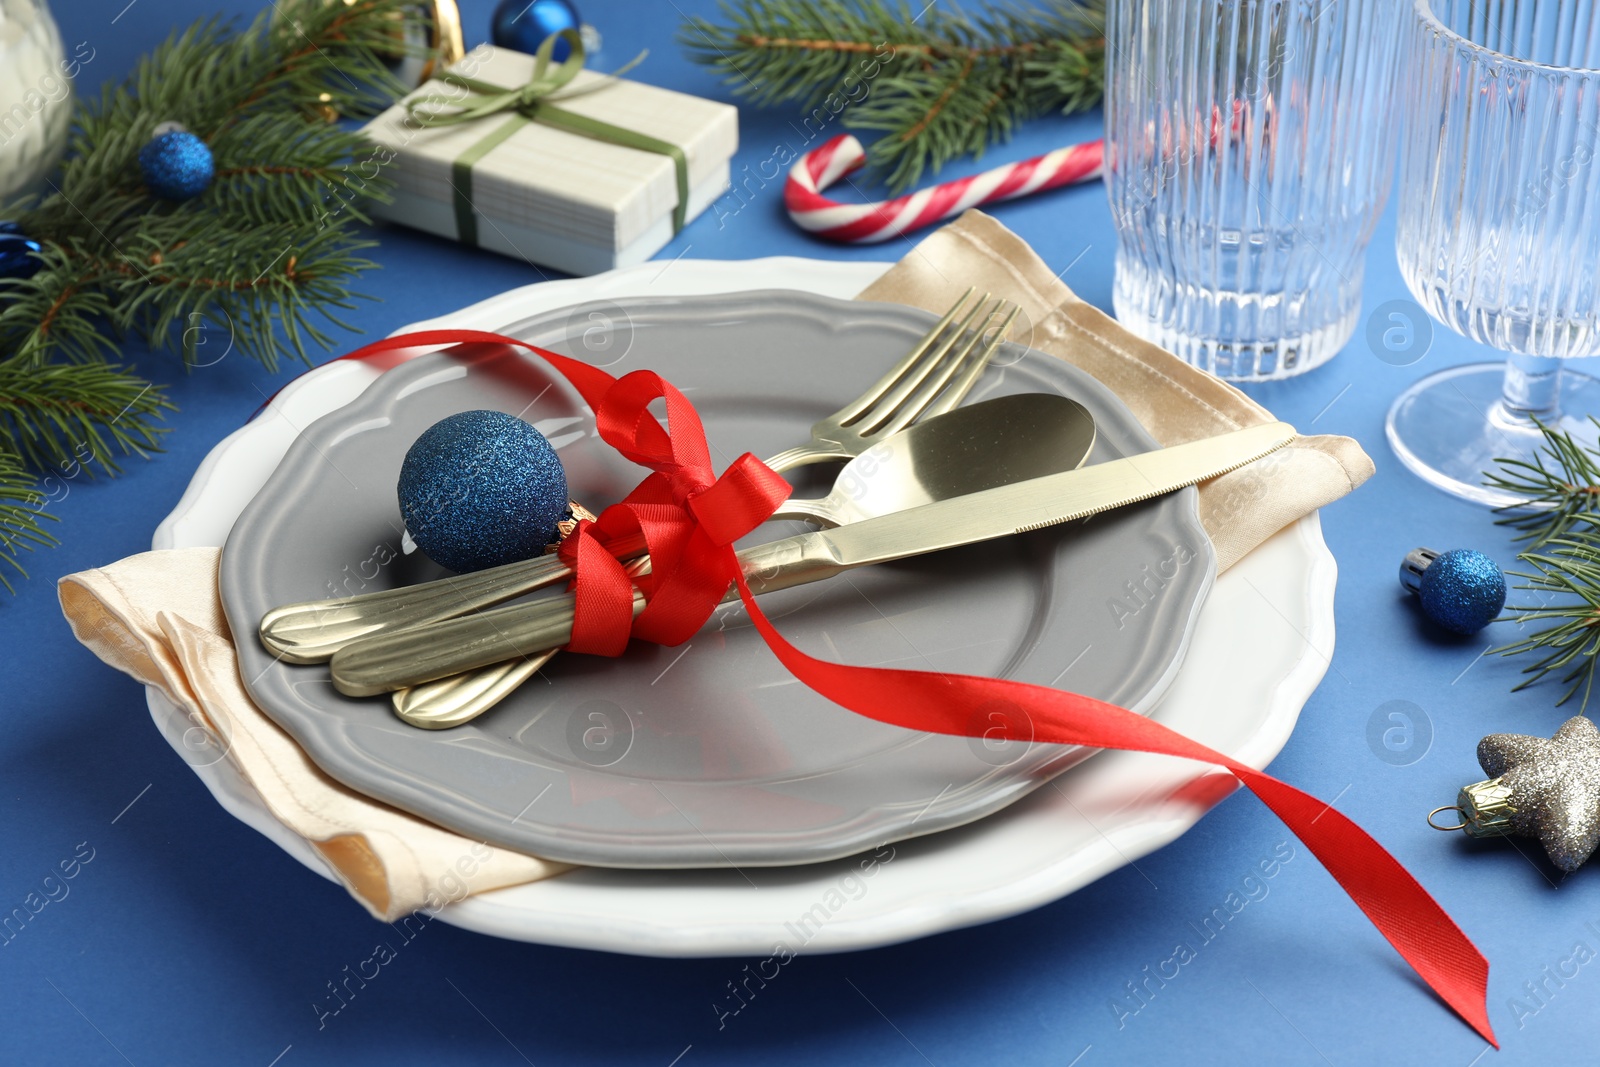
689 520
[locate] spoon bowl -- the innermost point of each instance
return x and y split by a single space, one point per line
981 446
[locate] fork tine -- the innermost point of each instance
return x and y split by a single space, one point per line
958 392
961 361
889 406
854 409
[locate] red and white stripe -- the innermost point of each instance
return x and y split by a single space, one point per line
865 223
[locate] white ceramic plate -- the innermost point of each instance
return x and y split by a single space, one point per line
1240 691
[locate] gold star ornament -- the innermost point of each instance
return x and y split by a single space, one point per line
1543 788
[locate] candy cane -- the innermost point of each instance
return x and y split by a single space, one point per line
865 223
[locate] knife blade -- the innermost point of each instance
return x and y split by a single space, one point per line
409 657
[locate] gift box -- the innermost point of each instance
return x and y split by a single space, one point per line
517 178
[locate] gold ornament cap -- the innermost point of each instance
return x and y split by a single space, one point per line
576 513
1485 809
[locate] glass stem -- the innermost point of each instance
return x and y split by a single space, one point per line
1532 387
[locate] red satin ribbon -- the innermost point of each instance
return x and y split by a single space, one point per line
687 517
690 519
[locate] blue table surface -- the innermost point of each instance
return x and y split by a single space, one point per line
189 938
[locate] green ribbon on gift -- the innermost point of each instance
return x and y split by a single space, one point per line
534 103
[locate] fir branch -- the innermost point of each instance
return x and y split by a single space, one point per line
1558 514
1571 570
21 509
269 170
117 258
62 311
67 417
1071 72
1559 488
940 85
261 263
264 305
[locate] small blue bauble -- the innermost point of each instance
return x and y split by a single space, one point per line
19 255
176 165
1461 590
522 27
480 489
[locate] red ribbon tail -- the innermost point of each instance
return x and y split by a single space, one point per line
1396 903
1411 920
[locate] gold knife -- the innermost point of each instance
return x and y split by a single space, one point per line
408 657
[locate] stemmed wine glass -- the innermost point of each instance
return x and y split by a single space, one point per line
1499 227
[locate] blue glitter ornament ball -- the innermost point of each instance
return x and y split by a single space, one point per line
522 27
1462 590
176 165
480 489
19 255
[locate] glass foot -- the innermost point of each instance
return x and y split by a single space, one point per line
1453 426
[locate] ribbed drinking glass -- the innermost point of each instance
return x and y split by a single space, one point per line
1249 154
1499 227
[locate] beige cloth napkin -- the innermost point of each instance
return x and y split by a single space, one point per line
157 615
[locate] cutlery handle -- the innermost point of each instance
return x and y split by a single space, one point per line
312 631
409 657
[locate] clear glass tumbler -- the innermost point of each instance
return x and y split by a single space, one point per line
1249 154
1499 227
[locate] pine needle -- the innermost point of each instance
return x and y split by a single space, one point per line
63 416
1558 487
936 84
261 263
22 504
274 234
1571 570
1557 514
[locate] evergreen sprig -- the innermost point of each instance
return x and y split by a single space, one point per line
21 509
1557 489
1558 514
64 416
273 236
261 263
942 84
1570 570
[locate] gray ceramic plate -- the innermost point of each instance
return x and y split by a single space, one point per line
710 754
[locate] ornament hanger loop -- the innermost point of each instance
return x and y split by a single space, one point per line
1447 807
